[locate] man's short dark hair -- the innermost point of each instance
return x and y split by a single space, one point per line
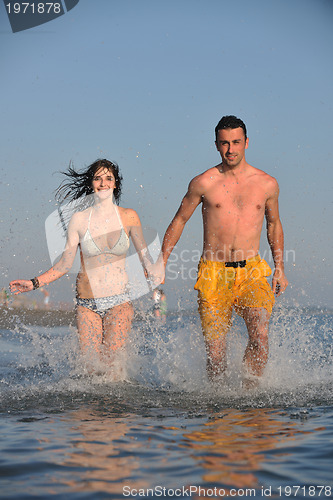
230 121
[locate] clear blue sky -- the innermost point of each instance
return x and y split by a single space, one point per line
144 82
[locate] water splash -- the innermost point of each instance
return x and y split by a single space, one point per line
165 364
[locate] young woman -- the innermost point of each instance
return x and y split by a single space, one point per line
102 232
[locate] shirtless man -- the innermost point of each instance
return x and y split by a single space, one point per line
235 198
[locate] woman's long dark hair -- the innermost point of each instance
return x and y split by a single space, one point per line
80 182
78 186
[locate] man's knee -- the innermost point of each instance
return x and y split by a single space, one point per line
215 321
256 317
215 344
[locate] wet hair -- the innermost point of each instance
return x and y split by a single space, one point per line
230 121
78 184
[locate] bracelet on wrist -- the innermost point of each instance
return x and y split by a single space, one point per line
35 283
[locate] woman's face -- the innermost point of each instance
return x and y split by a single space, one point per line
103 183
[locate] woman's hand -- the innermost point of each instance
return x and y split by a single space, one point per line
20 286
156 273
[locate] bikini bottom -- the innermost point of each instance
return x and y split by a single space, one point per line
102 305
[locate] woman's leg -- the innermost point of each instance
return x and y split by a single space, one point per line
117 324
90 329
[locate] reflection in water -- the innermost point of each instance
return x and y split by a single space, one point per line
232 447
104 451
104 456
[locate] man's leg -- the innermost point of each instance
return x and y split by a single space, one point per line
256 352
215 323
215 300
255 300
216 356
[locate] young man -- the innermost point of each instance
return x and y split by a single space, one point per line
235 199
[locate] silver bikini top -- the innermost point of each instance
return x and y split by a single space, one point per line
90 248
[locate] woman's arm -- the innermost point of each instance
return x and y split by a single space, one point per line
136 233
59 269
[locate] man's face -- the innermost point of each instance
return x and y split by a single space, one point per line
231 145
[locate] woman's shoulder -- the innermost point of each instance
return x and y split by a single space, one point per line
129 215
80 217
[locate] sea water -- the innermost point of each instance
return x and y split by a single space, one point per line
153 426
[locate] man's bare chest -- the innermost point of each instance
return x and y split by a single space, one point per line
234 198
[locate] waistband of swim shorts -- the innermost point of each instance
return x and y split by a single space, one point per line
232 264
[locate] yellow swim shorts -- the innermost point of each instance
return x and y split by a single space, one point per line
221 288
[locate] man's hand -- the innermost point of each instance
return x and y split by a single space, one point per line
279 282
156 272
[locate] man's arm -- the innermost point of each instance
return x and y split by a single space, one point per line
188 205
276 241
